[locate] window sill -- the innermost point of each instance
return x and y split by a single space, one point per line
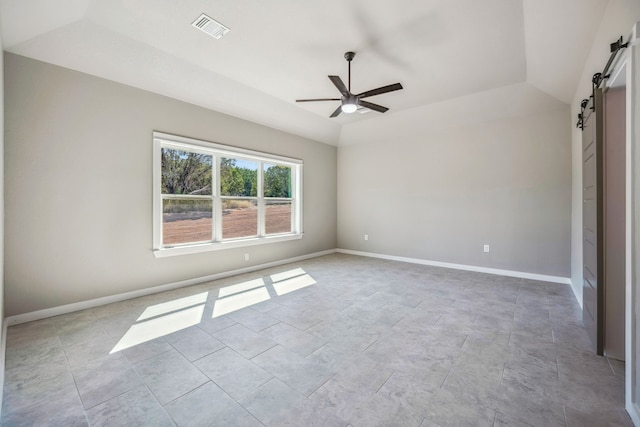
208 247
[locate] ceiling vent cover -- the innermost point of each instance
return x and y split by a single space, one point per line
210 26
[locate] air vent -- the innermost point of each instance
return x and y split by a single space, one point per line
210 26
363 110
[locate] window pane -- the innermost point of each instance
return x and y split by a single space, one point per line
186 221
185 172
277 180
277 217
239 218
238 177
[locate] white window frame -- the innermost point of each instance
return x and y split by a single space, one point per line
162 140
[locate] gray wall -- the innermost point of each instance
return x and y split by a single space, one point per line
78 176
441 197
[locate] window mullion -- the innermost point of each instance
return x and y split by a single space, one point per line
261 206
217 202
296 204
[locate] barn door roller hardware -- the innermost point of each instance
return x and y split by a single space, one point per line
583 106
598 78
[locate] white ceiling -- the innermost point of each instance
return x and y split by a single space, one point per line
448 55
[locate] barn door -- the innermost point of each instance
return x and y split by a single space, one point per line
592 215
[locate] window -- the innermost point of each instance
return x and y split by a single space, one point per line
209 196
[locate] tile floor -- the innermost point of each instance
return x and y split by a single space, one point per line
333 341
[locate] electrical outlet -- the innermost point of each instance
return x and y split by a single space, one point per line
486 248
246 257
366 237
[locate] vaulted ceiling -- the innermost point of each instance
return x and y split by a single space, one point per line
458 60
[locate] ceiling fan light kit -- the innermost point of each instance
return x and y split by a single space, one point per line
349 106
349 102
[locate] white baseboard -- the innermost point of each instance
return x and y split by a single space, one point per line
510 273
633 412
82 305
578 298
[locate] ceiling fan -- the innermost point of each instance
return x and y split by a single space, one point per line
349 101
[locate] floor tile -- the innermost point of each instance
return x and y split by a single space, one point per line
32 385
294 370
208 405
62 409
302 320
294 339
243 340
311 413
169 375
194 343
147 350
137 407
45 349
271 401
84 353
213 325
102 380
446 409
233 372
252 319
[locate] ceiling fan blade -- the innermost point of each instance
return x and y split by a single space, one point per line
337 81
318 99
372 106
337 112
380 90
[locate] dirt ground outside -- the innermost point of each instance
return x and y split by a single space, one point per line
243 222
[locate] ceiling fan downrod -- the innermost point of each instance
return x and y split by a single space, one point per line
349 56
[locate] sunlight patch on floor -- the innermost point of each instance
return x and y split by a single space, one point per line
279 277
293 284
160 326
165 318
240 287
173 305
239 301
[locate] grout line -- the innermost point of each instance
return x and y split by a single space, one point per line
158 401
465 341
263 352
401 319
369 346
439 317
193 389
206 355
240 404
321 385
385 381
445 378
75 383
611 366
